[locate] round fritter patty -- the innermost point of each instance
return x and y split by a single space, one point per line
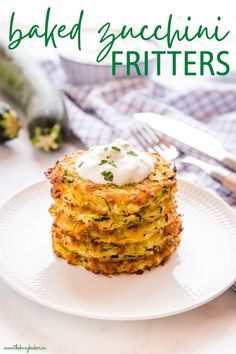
110 199
106 251
131 265
108 223
87 232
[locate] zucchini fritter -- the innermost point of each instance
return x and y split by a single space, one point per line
130 265
104 250
110 199
161 215
109 229
92 232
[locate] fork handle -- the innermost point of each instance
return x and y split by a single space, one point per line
230 161
225 177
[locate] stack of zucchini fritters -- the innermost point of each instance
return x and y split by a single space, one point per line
109 229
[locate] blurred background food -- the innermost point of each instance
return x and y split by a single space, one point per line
9 123
22 80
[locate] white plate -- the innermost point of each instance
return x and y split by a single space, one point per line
202 268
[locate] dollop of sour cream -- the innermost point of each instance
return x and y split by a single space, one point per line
118 163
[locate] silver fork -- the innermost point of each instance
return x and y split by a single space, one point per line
151 141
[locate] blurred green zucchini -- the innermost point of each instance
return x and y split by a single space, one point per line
9 123
23 80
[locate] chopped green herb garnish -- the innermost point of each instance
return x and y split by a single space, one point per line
132 153
81 163
112 163
108 175
102 162
115 148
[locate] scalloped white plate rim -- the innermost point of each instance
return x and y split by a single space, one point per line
92 315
